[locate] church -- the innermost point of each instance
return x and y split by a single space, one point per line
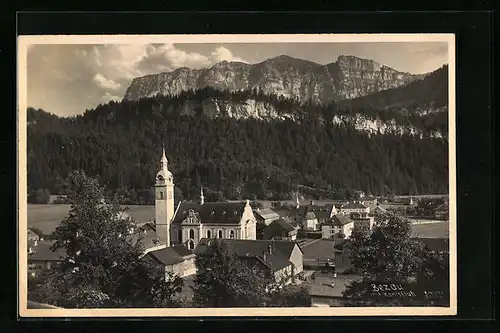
190 222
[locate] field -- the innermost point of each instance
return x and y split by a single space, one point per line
47 217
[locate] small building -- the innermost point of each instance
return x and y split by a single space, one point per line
366 222
441 212
338 224
370 200
35 234
282 259
310 222
378 210
265 215
322 212
280 230
176 259
355 207
40 256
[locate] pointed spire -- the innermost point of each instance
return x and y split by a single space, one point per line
163 160
202 198
298 201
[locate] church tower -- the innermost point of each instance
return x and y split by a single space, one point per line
164 203
202 197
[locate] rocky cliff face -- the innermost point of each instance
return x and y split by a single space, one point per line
252 109
348 77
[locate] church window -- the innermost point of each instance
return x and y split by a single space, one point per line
209 234
220 233
190 244
191 233
231 234
161 195
180 235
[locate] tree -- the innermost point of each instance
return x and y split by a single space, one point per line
103 267
389 254
224 281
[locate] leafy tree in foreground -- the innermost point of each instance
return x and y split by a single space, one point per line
389 254
103 266
224 280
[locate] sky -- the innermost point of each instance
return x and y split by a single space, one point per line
67 79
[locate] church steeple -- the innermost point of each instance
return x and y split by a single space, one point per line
163 161
297 200
202 198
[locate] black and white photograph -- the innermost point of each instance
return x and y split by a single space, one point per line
234 175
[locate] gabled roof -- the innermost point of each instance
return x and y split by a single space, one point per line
266 213
170 255
354 205
211 212
36 231
341 220
320 212
277 228
42 252
310 216
279 258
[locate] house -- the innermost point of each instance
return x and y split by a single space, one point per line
370 200
282 259
322 212
378 210
328 291
280 230
354 207
35 234
176 259
40 256
310 222
363 221
265 215
338 224
442 212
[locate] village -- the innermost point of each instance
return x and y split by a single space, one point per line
302 239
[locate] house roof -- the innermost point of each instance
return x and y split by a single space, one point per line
369 198
379 209
277 227
354 205
310 216
42 252
340 220
36 231
277 259
170 255
211 212
320 212
266 213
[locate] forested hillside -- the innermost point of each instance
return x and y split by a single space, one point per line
235 157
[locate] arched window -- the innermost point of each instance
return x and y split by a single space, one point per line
161 195
209 234
220 233
190 244
180 235
191 234
231 234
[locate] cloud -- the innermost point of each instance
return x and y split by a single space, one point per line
105 83
221 54
107 97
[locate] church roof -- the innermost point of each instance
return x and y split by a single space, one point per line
211 212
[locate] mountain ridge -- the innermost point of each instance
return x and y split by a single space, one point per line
348 77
